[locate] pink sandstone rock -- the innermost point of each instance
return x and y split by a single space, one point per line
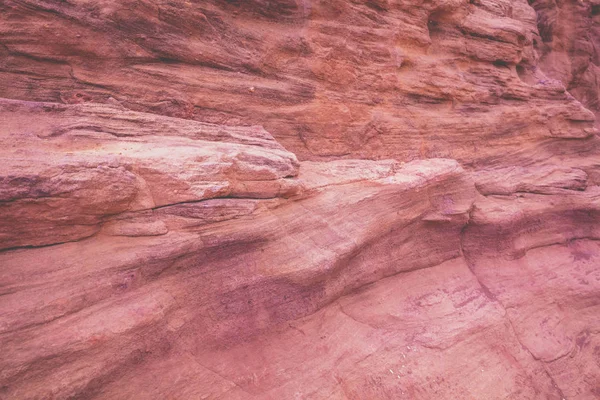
285 199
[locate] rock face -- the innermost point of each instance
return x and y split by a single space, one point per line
299 199
569 35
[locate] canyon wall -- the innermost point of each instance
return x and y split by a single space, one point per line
296 199
569 34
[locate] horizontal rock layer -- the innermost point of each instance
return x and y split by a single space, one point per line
374 79
297 199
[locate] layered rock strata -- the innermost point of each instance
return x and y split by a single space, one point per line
296 199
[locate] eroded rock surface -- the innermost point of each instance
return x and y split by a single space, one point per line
298 199
569 36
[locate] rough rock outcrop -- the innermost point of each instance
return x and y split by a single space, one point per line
569 36
373 79
297 199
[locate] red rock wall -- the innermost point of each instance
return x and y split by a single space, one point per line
568 46
388 79
299 199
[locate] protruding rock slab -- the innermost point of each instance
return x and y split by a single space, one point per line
66 169
99 309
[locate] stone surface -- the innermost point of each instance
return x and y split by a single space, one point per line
368 79
298 199
67 168
569 35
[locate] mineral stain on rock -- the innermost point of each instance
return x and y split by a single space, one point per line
378 199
